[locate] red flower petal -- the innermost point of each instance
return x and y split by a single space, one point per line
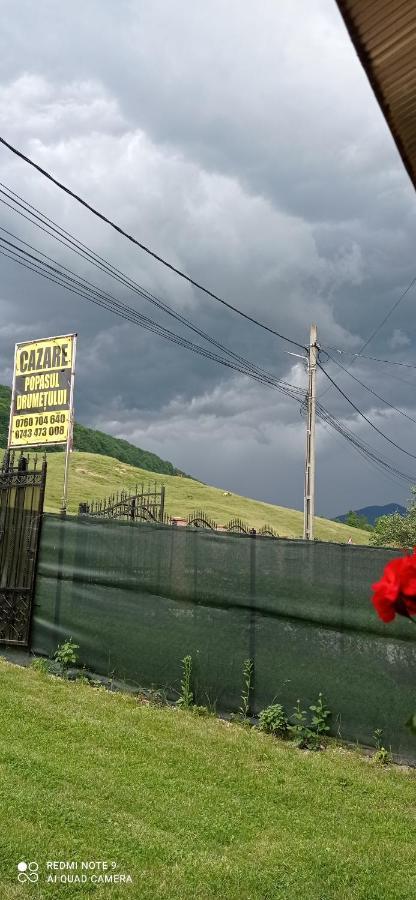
383 606
395 593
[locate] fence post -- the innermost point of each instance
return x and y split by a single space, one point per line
133 508
194 538
162 503
171 556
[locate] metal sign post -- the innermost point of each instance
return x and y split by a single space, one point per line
70 438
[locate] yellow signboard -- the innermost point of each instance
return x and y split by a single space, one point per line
41 410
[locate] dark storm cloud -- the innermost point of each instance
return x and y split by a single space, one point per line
244 144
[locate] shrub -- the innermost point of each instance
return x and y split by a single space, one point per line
381 756
273 720
41 665
202 711
309 736
66 656
320 717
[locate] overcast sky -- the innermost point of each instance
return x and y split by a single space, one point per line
243 143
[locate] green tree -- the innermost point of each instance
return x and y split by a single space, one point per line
396 530
354 520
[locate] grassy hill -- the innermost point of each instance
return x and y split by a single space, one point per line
103 464
95 477
189 807
92 441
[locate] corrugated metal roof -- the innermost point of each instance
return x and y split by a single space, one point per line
384 36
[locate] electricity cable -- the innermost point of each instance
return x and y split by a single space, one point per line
386 317
80 288
371 391
100 298
103 299
363 416
389 362
203 334
362 447
146 249
68 240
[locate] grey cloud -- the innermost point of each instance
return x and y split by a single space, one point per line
399 339
274 89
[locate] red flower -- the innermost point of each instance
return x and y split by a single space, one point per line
395 593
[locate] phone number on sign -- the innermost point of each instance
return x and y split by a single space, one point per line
30 421
28 433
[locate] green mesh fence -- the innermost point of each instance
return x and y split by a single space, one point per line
137 598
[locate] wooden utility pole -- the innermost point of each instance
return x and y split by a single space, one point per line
309 497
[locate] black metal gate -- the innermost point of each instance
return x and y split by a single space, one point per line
143 504
22 489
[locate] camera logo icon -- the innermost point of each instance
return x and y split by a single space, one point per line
28 872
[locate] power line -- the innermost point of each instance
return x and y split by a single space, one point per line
364 444
389 472
395 305
371 391
52 229
390 362
373 465
364 448
134 317
86 290
203 334
363 416
146 249
376 330
48 226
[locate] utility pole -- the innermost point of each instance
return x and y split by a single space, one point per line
309 497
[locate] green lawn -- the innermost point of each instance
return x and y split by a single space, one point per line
189 807
96 477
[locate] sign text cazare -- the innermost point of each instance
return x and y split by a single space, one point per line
41 408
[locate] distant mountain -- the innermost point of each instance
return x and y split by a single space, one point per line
372 513
91 441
